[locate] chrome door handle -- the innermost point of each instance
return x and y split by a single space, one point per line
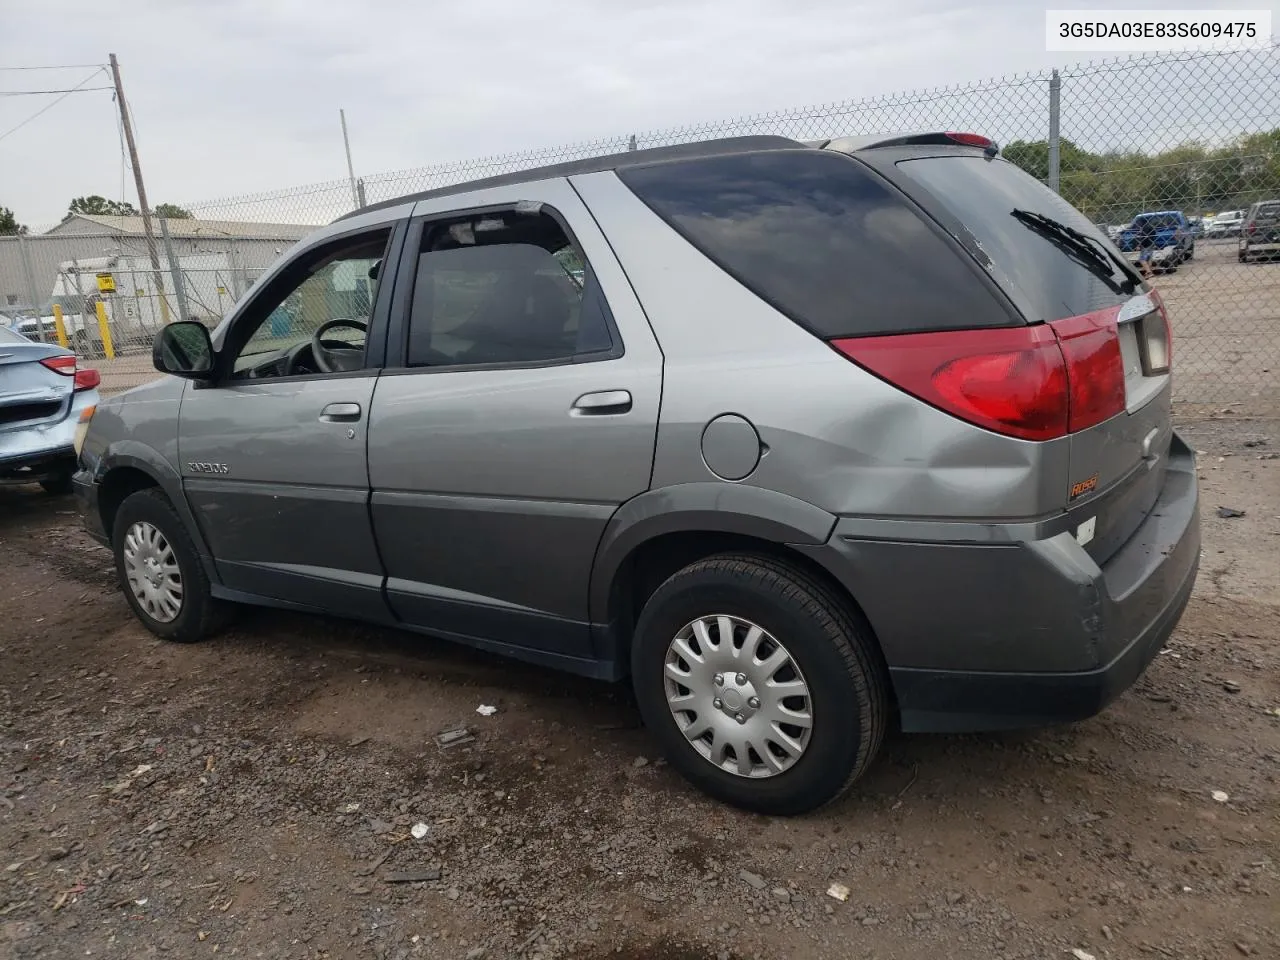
340 413
602 403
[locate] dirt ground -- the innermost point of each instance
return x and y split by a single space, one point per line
255 796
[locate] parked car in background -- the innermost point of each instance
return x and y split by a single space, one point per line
1196 225
832 437
1224 225
1173 242
1260 234
45 396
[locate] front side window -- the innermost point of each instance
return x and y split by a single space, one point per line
503 288
315 316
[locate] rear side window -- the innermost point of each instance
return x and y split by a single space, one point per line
823 239
1045 277
504 288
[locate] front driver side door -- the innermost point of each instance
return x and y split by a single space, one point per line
273 452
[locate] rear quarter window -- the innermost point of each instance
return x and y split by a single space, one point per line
823 239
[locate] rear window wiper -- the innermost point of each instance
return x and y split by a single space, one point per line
1084 249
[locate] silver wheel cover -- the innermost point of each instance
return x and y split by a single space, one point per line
738 696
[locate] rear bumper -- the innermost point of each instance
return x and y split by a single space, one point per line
1019 630
32 465
34 451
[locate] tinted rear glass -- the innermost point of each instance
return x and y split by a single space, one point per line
823 239
1043 278
1267 211
1158 221
8 336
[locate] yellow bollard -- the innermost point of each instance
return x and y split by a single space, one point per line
105 331
59 327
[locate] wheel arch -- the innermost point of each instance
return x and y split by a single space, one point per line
129 466
658 533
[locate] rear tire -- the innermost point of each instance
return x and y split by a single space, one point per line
57 484
160 571
826 649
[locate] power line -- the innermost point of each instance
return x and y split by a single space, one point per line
50 106
36 93
64 66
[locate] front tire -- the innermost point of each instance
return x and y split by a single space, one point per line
763 686
160 571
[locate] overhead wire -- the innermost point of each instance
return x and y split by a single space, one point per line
49 106
59 66
40 93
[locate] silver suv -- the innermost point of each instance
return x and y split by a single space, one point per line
808 439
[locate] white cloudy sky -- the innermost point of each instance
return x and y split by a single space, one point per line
236 96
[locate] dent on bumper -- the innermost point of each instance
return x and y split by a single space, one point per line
45 442
1020 632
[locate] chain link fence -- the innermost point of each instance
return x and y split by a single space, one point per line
1195 134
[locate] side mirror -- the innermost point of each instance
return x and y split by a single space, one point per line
184 350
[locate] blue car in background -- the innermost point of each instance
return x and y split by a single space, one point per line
1174 239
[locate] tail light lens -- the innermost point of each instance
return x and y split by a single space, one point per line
63 365
1157 338
970 139
85 379
1035 382
1091 348
1010 380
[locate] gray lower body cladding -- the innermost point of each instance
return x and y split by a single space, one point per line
1012 633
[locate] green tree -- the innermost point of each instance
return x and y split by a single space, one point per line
171 211
9 225
96 206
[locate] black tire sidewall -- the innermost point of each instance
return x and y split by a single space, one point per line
57 484
152 507
833 751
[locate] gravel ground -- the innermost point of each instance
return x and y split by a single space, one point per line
265 794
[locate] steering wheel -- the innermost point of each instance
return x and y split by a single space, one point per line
337 356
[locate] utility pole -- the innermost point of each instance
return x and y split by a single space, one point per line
142 191
351 172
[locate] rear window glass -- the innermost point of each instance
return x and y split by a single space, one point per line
1157 221
1267 211
8 336
1043 276
821 238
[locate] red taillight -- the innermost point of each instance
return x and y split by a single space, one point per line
1091 346
1034 382
87 379
1251 228
1011 379
971 139
63 365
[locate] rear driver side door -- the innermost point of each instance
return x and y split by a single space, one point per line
517 412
